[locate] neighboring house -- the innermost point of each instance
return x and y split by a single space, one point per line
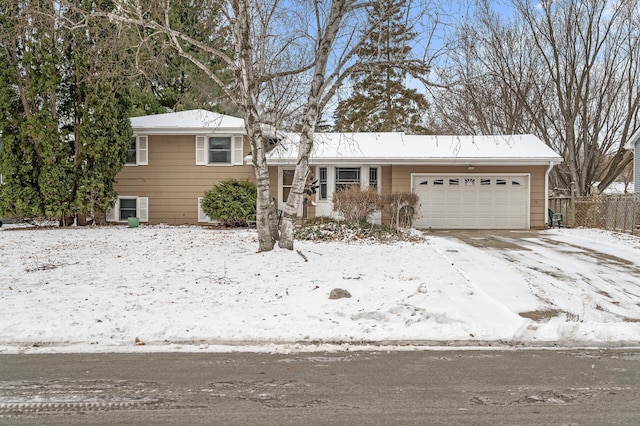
464 182
634 145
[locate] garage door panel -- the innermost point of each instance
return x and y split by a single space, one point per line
472 201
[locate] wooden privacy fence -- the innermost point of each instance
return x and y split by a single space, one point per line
619 213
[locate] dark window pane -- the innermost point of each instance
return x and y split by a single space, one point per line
131 151
287 177
219 143
323 183
220 157
219 150
347 176
127 208
373 178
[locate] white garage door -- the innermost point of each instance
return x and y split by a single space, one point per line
472 201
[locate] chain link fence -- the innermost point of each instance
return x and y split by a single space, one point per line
619 213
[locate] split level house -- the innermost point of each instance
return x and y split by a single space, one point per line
463 182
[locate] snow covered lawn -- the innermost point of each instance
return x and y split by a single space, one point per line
158 288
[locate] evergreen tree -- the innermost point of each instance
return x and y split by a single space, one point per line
65 128
174 82
379 99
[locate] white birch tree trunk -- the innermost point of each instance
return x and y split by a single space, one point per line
310 119
265 208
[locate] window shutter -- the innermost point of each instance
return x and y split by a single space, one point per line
142 151
143 209
237 151
112 214
202 216
201 150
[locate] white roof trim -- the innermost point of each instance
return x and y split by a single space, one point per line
197 121
398 148
416 162
631 143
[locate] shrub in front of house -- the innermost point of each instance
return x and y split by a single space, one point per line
401 208
231 201
355 204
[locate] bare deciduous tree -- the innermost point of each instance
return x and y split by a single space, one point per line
568 71
282 58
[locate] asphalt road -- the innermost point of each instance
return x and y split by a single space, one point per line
515 387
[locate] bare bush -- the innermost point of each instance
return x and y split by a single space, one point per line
401 207
355 204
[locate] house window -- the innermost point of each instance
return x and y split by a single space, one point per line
287 183
137 151
347 176
373 177
322 182
485 182
128 208
220 150
454 181
501 181
131 151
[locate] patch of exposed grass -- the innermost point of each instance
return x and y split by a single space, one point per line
540 315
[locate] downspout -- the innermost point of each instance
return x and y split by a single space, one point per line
546 192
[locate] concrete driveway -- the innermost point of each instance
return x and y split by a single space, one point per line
585 276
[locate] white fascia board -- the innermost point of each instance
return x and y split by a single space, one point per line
419 162
631 143
189 132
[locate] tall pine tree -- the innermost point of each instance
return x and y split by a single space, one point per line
379 100
65 121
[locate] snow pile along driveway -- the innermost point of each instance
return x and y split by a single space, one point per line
190 288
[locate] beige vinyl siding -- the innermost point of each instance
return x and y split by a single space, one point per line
401 182
173 182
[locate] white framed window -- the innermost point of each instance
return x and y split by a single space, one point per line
322 183
129 206
219 150
373 178
347 176
287 183
138 151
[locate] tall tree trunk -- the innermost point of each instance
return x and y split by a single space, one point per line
310 118
265 208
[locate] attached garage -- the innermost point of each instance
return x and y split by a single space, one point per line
472 201
463 182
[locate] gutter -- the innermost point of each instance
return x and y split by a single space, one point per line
275 161
171 131
546 192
